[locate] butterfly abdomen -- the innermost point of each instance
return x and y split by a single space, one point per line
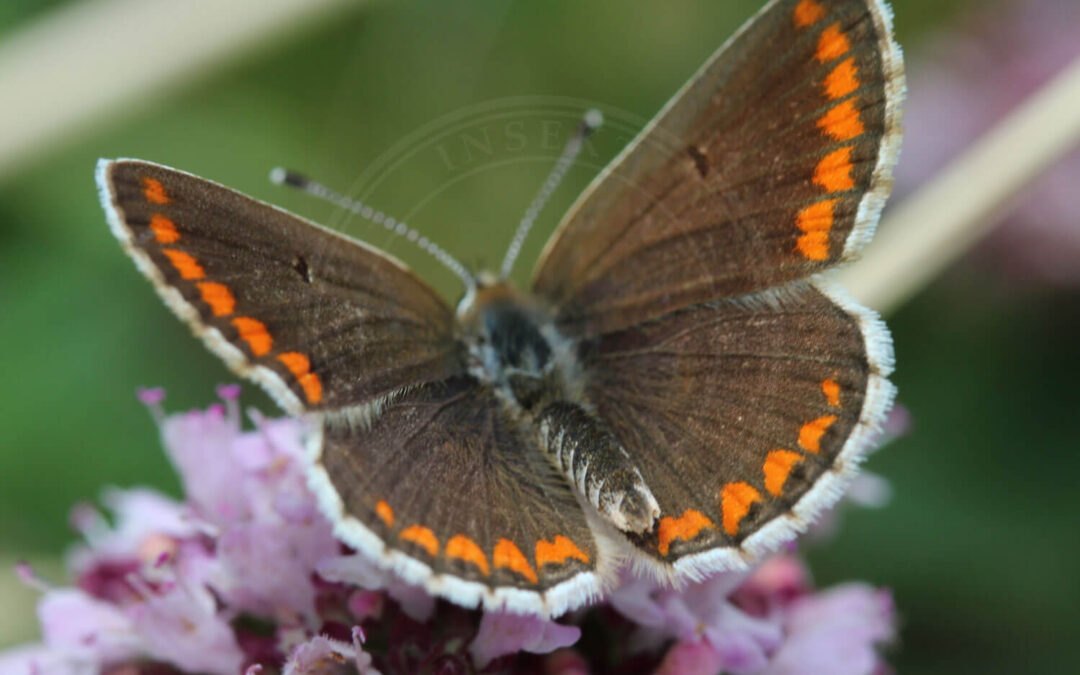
517 351
597 465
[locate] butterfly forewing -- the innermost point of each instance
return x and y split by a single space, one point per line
320 320
770 165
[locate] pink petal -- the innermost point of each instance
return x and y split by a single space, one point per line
836 633
502 633
83 627
690 658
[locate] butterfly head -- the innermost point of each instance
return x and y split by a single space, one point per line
484 288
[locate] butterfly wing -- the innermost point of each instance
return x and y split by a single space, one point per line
320 320
451 492
746 417
770 165
416 462
742 384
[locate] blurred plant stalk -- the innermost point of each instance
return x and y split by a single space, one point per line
923 234
72 68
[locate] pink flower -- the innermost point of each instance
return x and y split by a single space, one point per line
773 586
835 632
503 633
250 487
81 629
769 622
246 571
180 624
148 527
700 612
691 658
323 656
565 662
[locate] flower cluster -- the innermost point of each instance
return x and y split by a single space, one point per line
245 575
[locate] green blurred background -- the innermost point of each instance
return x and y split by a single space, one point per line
980 540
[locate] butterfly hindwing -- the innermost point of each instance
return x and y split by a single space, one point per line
770 165
445 487
745 417
320 320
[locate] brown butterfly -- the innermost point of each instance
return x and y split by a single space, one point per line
682 387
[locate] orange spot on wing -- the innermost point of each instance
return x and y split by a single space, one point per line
154 191
422 537
735 502
832 45
815 221
254 333
188 267
842 121
777 467
843 79
312 387
164 229
296 362
814 245
833 172
300 367
384 512
463 548
831 389
817 217
558 551
807 13
218 296
686 527
811 432
508 555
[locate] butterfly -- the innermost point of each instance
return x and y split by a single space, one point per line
682 388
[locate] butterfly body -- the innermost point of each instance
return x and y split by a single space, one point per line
682 386
516 349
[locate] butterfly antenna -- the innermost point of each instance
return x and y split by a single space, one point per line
590 123
290 178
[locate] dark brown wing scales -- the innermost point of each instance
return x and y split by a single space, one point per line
446 477
419 465
735 410
769 166
320 320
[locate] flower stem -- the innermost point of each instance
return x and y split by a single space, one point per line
80 63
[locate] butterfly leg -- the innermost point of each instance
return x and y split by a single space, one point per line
593 461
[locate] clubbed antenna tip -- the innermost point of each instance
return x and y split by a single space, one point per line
282 176
594 119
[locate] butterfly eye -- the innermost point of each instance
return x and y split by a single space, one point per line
301 267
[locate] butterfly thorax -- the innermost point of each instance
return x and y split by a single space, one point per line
515 347
512 346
